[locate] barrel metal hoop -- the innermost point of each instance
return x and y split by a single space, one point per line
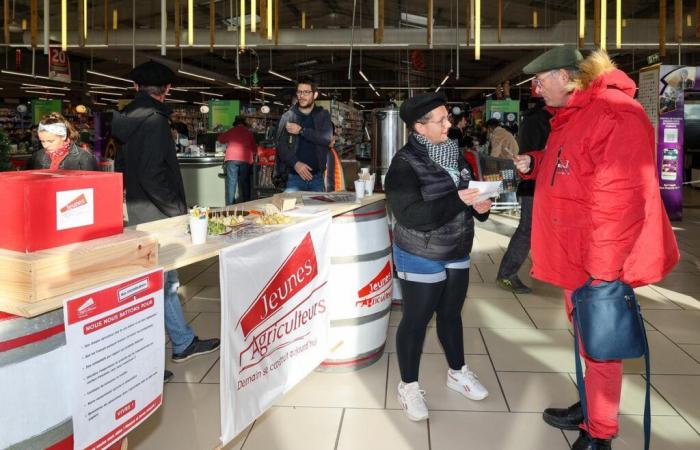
29 351
361 258
361 320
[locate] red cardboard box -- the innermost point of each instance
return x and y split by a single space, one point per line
42 209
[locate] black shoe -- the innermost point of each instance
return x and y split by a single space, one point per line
196 348
513 285
167 376
585 442
564 418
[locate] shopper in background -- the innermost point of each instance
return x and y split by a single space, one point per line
532 137
433 234
458 131
240 151
503 143
597 211
60 149
303 137
153 184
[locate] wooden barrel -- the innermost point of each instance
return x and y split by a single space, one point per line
359 288
35 413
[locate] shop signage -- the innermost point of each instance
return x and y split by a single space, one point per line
274 318
40 108
59 65
115 349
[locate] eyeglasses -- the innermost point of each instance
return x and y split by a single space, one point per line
538 81
306 92
442 121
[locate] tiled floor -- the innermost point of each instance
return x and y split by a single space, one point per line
520 346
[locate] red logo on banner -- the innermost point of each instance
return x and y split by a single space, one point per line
296 272
377 290
75 203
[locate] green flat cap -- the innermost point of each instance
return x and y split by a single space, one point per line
556 58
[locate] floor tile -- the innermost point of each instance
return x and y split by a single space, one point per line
209 278
530 350
432 378
365 388
214 374
683 392
667 433
489 291
648 298
488 271
492 431
666 358
686 300
545 299
187 420
473 344
533 392
682 327
194 370
284 428
208 299
494 313
368 429
692 350
549 318
207 325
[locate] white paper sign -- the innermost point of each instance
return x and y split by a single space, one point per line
274 319
487 189
116 350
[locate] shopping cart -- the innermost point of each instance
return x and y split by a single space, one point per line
488 168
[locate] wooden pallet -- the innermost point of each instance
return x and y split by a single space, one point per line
37 282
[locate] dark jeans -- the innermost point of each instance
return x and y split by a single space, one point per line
237 172
519 245
420 302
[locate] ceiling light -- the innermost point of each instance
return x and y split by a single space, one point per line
172 100
42 86
100 74
238 86
118 94
106 86
190 74
278 103
22 74
525 81
185 88
268 93
279 75
181 89
111 100
214 94
60 94
363 76
309 62
99 103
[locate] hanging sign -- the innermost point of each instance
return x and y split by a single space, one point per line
59 65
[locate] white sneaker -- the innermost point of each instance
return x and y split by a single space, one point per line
466 383
412 401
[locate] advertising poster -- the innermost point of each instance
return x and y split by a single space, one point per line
59 65
673 81
116 354
274 318
504 110
648 94
222 113
40 108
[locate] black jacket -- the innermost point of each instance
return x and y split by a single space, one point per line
431 220
320 136
76 159
152 178
532 136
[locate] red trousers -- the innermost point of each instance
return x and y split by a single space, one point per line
603 387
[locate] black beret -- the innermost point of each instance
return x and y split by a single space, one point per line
416 107
565 57
152 73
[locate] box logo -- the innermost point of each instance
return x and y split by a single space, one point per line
377 291
75 208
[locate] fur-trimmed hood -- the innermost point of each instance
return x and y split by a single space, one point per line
598 71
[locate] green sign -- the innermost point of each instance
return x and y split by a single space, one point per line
222 113
40 108
506 111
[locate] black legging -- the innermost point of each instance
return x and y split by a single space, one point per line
420 301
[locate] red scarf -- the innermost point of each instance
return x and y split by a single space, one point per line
59 155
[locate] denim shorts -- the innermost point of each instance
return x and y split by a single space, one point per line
412 267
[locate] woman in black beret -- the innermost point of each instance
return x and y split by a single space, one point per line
426 188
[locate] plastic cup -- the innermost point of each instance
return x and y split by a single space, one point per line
198 229
383 177
359 189
364 170
369 184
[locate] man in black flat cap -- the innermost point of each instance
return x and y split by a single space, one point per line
434 210
153 184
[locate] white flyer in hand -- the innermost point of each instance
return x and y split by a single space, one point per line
487 189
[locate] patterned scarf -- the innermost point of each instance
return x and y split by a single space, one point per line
445 155
59 155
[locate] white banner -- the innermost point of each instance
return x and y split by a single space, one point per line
116 350
274 319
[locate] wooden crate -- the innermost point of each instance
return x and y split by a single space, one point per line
32 281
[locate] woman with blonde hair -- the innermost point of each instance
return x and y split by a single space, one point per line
60 150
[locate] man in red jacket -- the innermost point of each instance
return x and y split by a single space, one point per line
597 210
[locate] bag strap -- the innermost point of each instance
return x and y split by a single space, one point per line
582 388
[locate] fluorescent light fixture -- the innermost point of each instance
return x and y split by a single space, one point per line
111 100
323 94
22 74
213 94
59 94
241 20
42 86
618 24
107 86
118 94
581 19
270 94
279 75
447 77
414 19
186 88
477 29
190 22
377 93
199 103
363 76
269 19
278 103
308 62
253 13
190 74
85 19
603 24
239 86
64 25
100 74
173 100
525 81
99 103
535 17
115 19
370 85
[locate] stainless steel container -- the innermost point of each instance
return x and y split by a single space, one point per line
389 134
